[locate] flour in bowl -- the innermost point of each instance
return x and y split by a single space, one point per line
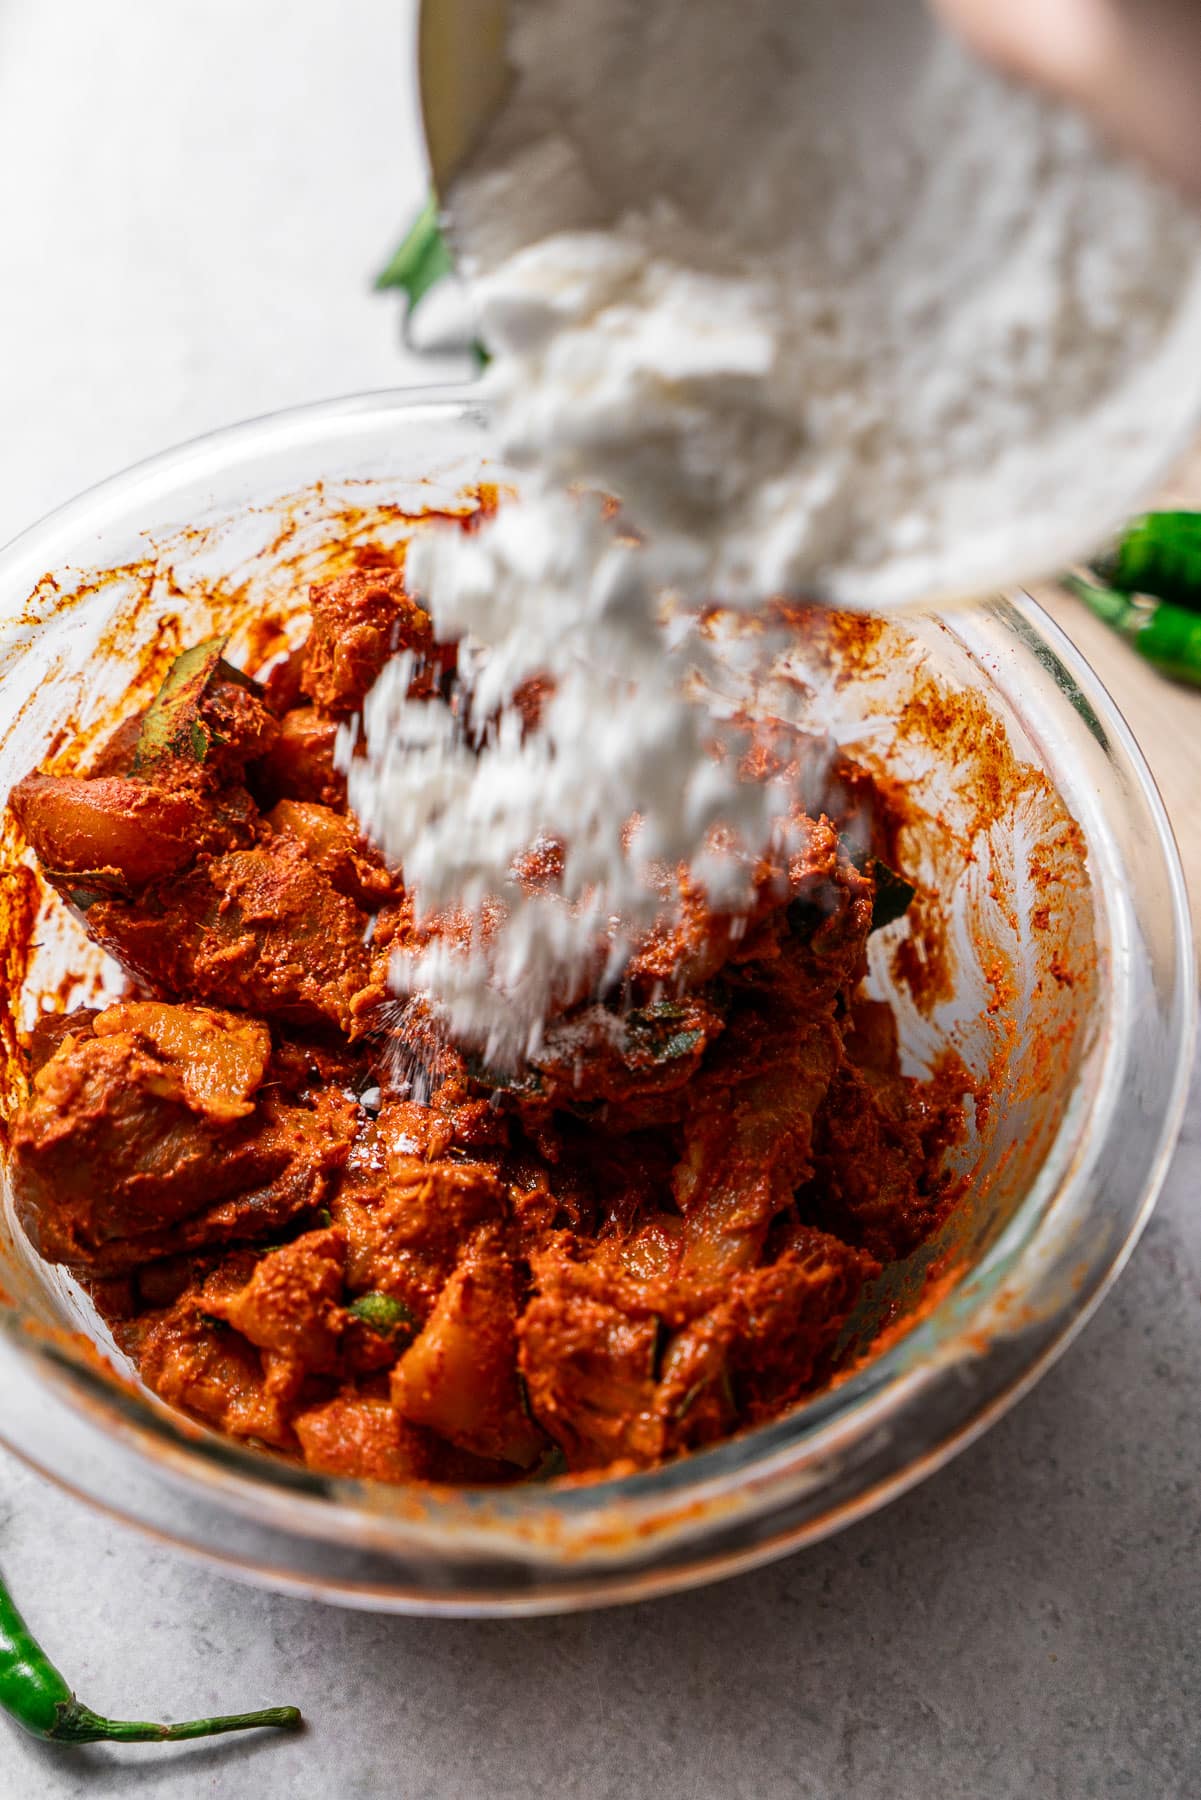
831 310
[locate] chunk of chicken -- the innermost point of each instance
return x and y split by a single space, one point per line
589 1369
359 621
749 1138
879 1175
148 1134
108 834
336 849
613 1387
300 763
291 1304
459 1378
193 1362
259 928
213 1061
761 1344
363 1437
405 1217
170 789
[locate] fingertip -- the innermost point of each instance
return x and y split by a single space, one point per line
1067 45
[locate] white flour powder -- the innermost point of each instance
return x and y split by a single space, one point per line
833 311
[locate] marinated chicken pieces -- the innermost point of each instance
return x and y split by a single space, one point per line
651 1236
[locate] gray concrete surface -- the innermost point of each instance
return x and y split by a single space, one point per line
1022 1627
192 198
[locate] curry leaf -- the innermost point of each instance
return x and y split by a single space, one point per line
804 917
654 1031
525 1082
85 887
171 725
420 262
894 896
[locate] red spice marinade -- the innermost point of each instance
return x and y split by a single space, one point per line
667 1228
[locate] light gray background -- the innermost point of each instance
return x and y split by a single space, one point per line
193 198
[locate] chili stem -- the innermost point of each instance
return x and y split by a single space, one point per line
78 1724
34 1694
1167 637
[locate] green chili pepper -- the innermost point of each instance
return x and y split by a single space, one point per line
1166 636
1160 554
383 1313
34 1694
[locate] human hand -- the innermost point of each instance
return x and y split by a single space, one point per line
1135 65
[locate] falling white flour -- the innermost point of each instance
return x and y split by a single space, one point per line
832 310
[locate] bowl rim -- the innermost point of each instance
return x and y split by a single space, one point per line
311 1505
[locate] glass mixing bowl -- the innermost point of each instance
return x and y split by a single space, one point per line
1051 948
